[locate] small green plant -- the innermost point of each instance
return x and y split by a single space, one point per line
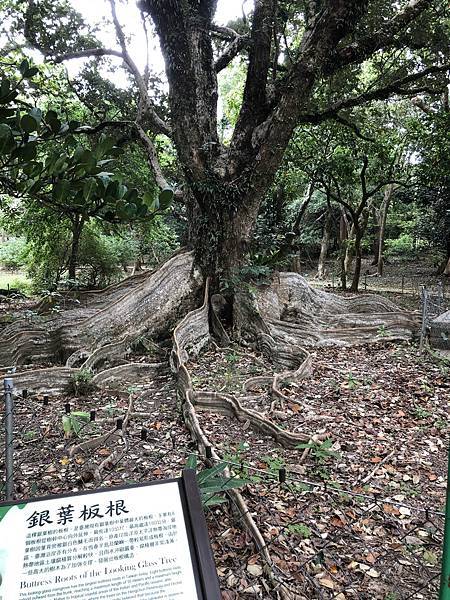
352 382
441 424
420 413
81 382
232 357
382 331
74 422
212 483
320 452
274 463
300 529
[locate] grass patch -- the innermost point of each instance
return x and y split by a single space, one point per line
15 280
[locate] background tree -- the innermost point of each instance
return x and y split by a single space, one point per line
47 171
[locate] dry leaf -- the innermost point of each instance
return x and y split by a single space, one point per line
255 570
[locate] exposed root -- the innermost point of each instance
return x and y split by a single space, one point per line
119 378
95 443
51 381
227 405
189 337
120 451
150 303
293 313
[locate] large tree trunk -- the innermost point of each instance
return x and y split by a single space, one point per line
221 237
228 183
77 228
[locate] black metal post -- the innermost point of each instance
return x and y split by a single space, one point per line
9 439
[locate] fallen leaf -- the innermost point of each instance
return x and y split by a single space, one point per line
255 570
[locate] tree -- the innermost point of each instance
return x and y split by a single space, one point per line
49 170
433 181
304 81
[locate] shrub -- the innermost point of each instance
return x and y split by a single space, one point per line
13 253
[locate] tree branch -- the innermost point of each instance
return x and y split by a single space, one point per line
231 51
381 39
152 156
87 53
158 125
254 104
395 87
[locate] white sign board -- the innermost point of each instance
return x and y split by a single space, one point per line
123 544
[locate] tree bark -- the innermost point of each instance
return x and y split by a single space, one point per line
325 244
77 228
350 250
343 236
358 259
447 268
382 231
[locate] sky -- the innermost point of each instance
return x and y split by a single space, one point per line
97 11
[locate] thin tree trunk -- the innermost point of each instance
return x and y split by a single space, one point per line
358 260
446 271
359 229
382 231
343 236
77 228
350 250
137 265
325 244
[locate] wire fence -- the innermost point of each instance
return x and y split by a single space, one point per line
435 326
408 285
319 540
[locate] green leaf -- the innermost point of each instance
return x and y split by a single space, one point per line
36 113
51 115
214 500
55 125
104 146
5 87
33 168
24 66
131 196
150 200
29 73
82 415
89 189
27 152
8 98
166 198
191 462
142 211
28 124
88 159
61 190
208 474
113 189
7 143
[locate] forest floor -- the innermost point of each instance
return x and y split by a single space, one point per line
359 516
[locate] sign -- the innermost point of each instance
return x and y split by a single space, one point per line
138 542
